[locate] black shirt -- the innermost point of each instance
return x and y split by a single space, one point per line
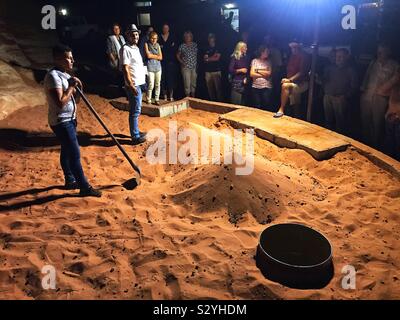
212 66
168 48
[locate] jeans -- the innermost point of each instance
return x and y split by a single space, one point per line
336 113
70 157
261 98
135 108
214 87
154 83
189 81
392 138
237 97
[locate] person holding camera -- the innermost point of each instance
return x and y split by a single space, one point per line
62 98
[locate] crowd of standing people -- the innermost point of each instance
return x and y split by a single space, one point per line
262 76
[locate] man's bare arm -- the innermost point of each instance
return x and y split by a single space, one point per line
179 57
214 57
61 97
128 78
295 77
149 54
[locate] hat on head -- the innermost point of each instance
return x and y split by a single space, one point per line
295 43
132 28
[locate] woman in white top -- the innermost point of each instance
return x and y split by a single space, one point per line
114 43
154 58
261 74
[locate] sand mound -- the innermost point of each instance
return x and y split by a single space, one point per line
216 188
188 231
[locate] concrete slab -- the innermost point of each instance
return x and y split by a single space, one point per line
212 106
169 108
288 132
164 110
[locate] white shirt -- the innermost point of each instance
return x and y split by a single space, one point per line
114 46
261 83
56 79
378 74
130 55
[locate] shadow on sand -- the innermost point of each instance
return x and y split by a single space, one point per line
40 200
16 139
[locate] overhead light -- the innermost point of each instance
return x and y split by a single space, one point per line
63 12
229 5
371 5
143 4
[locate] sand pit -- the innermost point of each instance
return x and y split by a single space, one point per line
188 231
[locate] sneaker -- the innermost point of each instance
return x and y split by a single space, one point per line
142 134
171 99
278 114
157 103
165 98
90 192
71 185
139 140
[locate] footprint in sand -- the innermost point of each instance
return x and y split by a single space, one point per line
394 194
77 268
262 292
15 225
350 228
67 230
172 283
33 284
331 218
137 260
101 221
137 227
99 282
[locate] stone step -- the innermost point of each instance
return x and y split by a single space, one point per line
287 132
164 110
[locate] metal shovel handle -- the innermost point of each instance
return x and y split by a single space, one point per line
133 165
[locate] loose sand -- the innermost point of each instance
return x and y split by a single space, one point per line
188 231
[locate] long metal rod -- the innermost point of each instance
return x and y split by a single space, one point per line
134 166
313 63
